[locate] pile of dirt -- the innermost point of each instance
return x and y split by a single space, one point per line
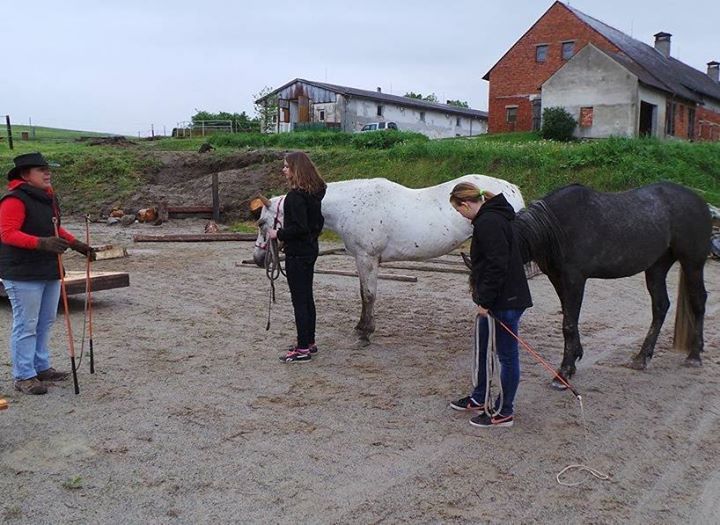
115 140
185 179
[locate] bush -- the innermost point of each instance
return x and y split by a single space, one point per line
558 124
385 139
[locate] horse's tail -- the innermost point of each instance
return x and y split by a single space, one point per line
683 340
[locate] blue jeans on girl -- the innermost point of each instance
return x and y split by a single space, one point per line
507 351
34 309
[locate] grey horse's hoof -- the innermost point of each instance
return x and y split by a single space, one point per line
693 363
363 341
637 364
557 385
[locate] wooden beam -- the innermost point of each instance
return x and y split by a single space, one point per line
75 282
382 276
426 268
199 237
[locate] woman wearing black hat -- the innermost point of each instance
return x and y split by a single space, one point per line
29 268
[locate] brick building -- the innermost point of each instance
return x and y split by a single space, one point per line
612 83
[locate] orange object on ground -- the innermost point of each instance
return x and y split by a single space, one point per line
3 404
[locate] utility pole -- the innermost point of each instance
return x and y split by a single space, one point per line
152 130
9 131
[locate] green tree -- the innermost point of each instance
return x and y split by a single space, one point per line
458 103
429 98
266 109
240 122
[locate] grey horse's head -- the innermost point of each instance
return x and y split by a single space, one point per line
269 216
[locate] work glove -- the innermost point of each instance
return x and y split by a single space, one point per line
83 248
52 244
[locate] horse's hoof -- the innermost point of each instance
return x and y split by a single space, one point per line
557 385
637 364
363 340
693 363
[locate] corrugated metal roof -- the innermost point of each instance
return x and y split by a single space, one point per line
383 97
659 71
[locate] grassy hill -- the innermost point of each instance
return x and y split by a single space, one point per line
537 166
41 133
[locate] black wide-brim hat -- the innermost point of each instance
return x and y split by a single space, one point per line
28 160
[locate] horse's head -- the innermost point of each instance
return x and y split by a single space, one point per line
269 215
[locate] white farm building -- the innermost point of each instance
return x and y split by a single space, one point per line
302 102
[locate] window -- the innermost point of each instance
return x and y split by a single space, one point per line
568 50
379 111
381 125
511 114
541 52
322 114
392 125
586 117
458 121
422 116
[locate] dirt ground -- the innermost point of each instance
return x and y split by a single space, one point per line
191 418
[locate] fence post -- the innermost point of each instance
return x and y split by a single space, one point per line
9 131
215 198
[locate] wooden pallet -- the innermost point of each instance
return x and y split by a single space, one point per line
75 282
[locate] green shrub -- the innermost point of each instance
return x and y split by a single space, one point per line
385 139
558 124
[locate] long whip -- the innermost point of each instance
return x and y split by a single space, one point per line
88 303
71 344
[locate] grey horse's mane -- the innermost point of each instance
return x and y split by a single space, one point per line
540 234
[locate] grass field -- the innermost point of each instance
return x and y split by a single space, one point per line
537 166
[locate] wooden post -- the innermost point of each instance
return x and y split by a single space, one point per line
9 131
215 198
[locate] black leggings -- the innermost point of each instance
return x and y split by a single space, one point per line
300 271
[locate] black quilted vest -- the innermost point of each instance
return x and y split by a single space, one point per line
20 264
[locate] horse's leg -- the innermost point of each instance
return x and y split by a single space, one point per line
367 267
696 297
655 280
570 289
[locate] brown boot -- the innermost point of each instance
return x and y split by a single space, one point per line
31 386
52 375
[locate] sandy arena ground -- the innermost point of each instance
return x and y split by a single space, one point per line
191 418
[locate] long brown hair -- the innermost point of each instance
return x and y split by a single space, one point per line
305 175
468 192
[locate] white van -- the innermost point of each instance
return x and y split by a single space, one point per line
375 126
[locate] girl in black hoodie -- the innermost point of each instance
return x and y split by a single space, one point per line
302 224
499 289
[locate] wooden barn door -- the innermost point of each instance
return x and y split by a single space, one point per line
303 109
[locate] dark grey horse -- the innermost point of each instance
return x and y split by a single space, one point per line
576 233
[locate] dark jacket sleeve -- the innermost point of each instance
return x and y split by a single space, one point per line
295 222
494 244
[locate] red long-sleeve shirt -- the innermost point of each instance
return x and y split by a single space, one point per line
12 216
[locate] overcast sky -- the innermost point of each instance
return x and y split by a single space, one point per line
121 65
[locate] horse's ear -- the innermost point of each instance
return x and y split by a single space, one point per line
258 202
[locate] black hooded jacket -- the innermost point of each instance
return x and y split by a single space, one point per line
302 223
498 276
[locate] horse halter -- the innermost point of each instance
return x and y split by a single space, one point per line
276 222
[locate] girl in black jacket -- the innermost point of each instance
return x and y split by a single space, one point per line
499 289
302 224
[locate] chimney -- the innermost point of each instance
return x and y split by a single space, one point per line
662 43
379 90
714 70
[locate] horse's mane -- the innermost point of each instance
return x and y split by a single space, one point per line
540 235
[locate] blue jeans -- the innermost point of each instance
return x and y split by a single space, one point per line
34 308
507 351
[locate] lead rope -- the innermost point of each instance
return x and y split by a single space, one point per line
579 466
492 367
273 270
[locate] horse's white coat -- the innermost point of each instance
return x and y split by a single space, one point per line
379 221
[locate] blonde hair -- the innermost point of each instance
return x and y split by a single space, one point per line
468 192
305 175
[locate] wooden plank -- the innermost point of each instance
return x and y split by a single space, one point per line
192 237
109 251
331 251
425 268
382 276
75 282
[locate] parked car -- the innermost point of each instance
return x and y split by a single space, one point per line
376 126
